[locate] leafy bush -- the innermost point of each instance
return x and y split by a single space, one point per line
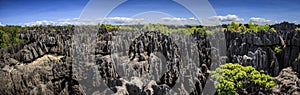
243 28
109 27
9 35
4 39
129 27
234 27
277 49
297 29
234 79
165 29
201 30
273 29
252 27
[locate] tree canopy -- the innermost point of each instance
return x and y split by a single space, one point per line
9 35
251 27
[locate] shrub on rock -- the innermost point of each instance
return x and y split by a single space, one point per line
237 79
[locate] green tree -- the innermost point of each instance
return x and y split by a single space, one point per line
202 30
243 28
234 27
253 27
234 79
265 27
4 39
273 29
109 27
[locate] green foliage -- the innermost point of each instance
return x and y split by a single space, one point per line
233 78
165 29
184 31
255 27
252 27
4 39
297 29
278 49
265 27
272 63
273 29
243 28
9 35
129 28
234 27
201 31
109 27
157 27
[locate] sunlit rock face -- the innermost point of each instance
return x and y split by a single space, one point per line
40 66
287 83
151 56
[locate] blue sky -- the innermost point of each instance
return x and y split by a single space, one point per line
266 11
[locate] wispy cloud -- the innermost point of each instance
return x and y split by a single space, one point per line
162 20
227 18
122 20
173 19
78 21
113 20
260 20
176 20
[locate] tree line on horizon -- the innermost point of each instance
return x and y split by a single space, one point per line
9 33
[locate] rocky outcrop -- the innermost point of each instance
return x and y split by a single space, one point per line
151 42
141 52
287 83
241 48
296 65
46 76
292 49
37 67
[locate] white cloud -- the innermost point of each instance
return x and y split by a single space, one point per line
227 18
126 20
114 20
1 24
122 20
173 19
192 18
178 21
295 21
259 20
77 21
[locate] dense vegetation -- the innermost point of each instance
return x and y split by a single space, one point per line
9 35
108 27
234 79
165 29
250 27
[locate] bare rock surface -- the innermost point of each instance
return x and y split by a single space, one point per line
287 83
